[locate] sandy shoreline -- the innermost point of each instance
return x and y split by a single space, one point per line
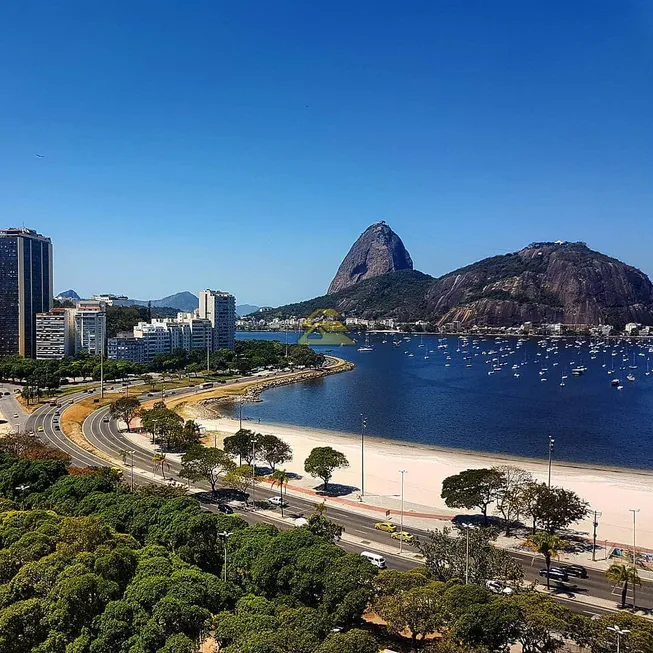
612 491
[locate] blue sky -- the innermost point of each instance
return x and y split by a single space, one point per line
245 145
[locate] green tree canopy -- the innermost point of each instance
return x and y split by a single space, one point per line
323 461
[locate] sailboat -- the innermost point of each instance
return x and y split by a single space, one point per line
366 346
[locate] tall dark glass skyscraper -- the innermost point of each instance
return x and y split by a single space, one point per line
25 288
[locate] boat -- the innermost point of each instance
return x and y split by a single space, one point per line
366 346
615 382
630 377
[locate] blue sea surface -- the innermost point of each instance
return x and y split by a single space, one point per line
462 402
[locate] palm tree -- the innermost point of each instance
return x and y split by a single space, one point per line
159 461
123 454
548 546
280 478
618 573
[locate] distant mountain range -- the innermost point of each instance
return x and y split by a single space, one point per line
545 282
185 302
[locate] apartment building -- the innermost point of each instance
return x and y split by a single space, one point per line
55 334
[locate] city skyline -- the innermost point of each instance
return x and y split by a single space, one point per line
261 140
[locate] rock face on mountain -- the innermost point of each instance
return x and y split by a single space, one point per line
543 283
377 251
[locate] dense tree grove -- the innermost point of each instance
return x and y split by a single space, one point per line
88 567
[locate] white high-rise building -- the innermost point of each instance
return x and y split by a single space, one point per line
90 327
55 333
220 309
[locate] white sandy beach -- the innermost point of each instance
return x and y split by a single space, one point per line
611 491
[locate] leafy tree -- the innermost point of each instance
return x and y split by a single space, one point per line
601 640
546 545
489 626
160 462
472 488
243 444
553 508
125 408
319 524
418 610
273 450
446 556
620 574
323 461
353 641
510 495
205 464
241 479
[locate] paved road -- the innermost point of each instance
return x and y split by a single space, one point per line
105 435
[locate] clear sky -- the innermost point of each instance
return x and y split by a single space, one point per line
244 145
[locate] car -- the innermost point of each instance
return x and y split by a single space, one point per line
386 526
577 571
555 573
7 393
106 420
497 587
56 413
404 537
150 394
277 501
56 427
15 415
40 429
227 510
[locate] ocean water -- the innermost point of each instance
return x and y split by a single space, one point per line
465 394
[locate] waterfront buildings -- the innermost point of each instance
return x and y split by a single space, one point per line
220 309
90 327
55 333
25 288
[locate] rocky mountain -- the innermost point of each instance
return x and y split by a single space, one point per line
377 251
542 283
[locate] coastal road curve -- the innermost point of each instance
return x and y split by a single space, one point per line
107 437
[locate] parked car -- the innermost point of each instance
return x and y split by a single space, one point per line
277 502
404 537
555 573
386 526
106 420
15 415
577 571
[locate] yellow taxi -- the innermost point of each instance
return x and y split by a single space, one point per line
404 537
386 526
40 429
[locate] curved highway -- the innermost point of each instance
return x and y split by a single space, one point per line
104 434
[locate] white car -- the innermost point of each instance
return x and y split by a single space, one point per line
497 587
276 501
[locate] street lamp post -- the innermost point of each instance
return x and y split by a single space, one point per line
253 471
595 525
634 511
240 413
363 427
467 527
403 473
551 443
224 535
618 632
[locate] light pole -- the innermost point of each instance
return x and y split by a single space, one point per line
131 453
634 511
551 443
595 524
253 471
363 427
467 527
240 413
22 488
403 473
225 535
618 632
